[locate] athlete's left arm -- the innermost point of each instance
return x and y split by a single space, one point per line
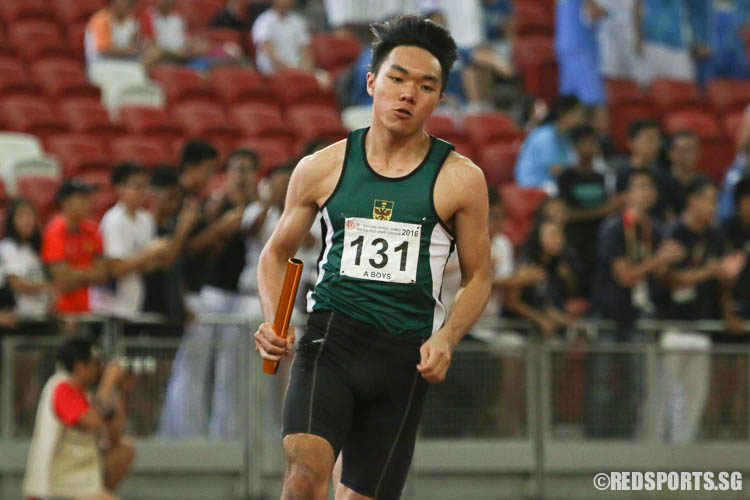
463 191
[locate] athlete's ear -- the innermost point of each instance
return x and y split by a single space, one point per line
370 84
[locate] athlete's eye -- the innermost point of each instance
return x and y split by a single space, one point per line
396 79
428 88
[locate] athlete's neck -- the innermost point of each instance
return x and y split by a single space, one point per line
393 154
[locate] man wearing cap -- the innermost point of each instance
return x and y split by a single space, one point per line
72 248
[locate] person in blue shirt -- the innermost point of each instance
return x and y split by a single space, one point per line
576 43
548 149
739 169
724 23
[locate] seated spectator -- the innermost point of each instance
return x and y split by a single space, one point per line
630 258
498 22
644 142
668 34
725 23
21 264
730 373
684 153
587 200
576 43
543 301
281 39
738 170
65 459
694 293
547 150
72 248
113 33
617 42
128 241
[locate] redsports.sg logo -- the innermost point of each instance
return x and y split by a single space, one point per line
671 481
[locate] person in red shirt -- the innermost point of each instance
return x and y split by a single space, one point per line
72 248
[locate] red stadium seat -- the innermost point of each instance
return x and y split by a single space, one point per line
76 11
536 60
144 150
41 191
199 13
299 87
315 121
36 38
483 128
150 121
440 125
703 124
76 35
13 11
727 95
334 53
498 162
63 78
181 83
673 95
623 91
732 122
461 143
239 85
79 153
521 204
32 115
207 120
260 120
272 152
532 18
13 79
716 155
85 115
221 37
622 116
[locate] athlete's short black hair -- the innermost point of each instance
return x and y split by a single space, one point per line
416 31
196 151
637 126
124 171
741 189
74 350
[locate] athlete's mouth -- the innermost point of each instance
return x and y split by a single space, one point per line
403 112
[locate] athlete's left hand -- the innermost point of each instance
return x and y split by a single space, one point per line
435 358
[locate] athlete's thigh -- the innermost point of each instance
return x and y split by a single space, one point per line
379 447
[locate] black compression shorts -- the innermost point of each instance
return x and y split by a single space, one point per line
359 389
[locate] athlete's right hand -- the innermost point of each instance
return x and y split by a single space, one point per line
272 347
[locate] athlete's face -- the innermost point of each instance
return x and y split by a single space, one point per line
406 89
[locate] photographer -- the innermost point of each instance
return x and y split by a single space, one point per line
66 461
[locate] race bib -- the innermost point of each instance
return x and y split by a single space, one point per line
380 250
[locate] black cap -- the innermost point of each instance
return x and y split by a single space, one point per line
73 186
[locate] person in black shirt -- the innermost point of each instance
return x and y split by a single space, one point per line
644 140
730 373
587 200
684 153
630 256
694 294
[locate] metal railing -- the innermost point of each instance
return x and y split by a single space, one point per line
534 408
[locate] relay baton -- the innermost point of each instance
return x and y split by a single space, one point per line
286 304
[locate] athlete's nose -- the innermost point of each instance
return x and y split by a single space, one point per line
408 97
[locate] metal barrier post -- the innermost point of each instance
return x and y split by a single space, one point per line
652 382
6 402
538 410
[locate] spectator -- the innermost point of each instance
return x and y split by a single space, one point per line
344 13
224 243
164 287
112 33
166 36
72 248
617 42
738 170
669 33
730 373
684 153
127 232
498 17
547 150
543 302
725 22
65 460
576 43
235 15
587 200
281 39
644 141
630 258
694 294
19 254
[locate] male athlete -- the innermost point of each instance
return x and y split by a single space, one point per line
394 201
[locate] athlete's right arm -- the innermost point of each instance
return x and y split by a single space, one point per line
312 181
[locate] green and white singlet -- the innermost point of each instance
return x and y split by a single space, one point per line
384 246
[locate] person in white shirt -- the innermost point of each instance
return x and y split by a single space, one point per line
21 265
129 245
165 33
282 39
112 33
